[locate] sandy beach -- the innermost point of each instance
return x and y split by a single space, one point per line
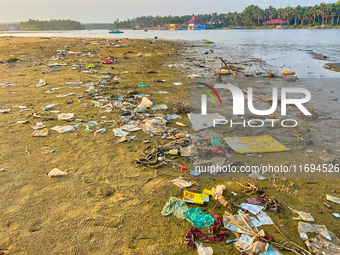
108 204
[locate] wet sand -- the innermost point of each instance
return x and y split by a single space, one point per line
106 204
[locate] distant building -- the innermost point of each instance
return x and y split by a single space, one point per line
275 22
195 24
174 27
4 28
138 27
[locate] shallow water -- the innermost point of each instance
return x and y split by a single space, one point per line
286 48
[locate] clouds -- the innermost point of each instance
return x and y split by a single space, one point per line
107 11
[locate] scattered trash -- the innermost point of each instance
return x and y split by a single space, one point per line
66 116
302 215
264 219
63 129
231 241
56 172
254 144
120 132
217 194
254 209
195 198
41 83
125 139
173 116
22 121
159 107
256 175
239 223
181 183
140 85
132 127
333 199
319 245
155 125
217 151
288 72
200 122
304 228
180 124
3 111
39 125
126 117
202 250
43 132
48 107
109 62
254 200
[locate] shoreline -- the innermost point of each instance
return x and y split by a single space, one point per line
161 29
105 203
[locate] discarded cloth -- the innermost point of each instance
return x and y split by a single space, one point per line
218 236
198 218
175 206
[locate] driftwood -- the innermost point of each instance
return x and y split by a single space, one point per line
234 67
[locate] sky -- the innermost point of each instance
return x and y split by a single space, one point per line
107 11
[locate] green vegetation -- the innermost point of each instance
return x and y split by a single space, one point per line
206 41
53 24
13 24
251 17
90 26
10 60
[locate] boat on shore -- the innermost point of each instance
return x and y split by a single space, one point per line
116 32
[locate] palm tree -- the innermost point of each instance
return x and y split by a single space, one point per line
324 12
314 12
287 13
297 16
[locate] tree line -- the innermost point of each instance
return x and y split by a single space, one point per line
251 16
32 25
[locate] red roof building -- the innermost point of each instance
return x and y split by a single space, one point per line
275 22
195 20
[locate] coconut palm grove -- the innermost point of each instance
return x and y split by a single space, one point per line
251 16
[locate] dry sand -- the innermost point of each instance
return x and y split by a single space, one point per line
106 205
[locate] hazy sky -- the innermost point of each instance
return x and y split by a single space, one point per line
107 11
